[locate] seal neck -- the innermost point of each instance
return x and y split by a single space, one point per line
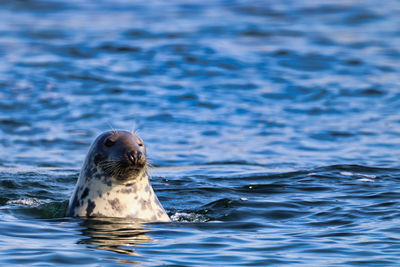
142 177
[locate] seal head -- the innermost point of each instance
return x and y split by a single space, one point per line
113 181
120 155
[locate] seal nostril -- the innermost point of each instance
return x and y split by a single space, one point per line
131 157
135 157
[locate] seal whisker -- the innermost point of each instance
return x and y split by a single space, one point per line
135 129
112 128
110 166
149 165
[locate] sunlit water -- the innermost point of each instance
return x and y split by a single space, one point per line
273 128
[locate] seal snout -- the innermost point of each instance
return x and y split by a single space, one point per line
136 157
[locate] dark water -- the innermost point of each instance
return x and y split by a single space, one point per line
273 128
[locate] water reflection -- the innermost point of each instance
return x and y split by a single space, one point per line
115 234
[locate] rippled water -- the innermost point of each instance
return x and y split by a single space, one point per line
272 126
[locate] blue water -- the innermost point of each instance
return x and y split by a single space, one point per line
273 128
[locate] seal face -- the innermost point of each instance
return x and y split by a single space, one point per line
113 181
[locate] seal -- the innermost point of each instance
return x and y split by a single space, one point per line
114 182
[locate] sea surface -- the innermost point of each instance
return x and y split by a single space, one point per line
273 128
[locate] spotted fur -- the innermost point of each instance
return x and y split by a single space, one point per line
112 184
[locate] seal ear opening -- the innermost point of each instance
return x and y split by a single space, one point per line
97 159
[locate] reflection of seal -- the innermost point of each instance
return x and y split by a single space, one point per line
113 181
117 234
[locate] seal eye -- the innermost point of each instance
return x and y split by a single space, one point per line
109 142
140 144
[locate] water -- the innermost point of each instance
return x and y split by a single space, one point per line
272 126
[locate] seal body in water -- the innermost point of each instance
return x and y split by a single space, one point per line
113 181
